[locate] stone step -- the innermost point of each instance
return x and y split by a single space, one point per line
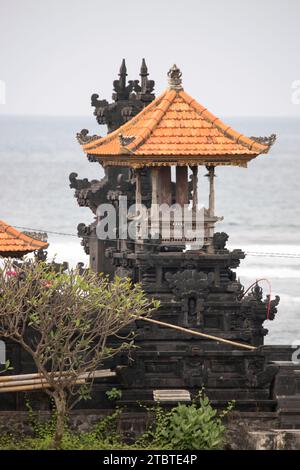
274 439
288 410
171 395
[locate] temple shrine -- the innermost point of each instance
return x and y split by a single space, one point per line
17 244
151 155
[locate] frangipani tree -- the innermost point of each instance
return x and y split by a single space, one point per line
63 320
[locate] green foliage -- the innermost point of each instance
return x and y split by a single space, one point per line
190 427
195 426
114 394
104 435
70 316
43 431
6 367
187 427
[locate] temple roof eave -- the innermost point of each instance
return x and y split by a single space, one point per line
138 161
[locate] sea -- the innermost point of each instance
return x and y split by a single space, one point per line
260 204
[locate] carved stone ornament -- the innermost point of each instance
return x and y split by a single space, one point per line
129 98
189 282
125 140
267 140
220 240
175 82
84 138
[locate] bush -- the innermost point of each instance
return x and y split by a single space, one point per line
185 427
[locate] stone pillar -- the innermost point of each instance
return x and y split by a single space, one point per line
182 196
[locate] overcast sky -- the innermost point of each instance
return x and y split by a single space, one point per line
238 57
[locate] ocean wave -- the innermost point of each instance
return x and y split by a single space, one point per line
268 272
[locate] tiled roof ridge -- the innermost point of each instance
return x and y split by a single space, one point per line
14 233
109 137
161 110
226 130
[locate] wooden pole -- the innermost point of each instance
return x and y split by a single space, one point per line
154 180
138 188
25 388
195 188
211 175
154 203
95 374
197 333
182 188
165 187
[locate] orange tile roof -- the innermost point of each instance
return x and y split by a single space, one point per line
15 244
174 128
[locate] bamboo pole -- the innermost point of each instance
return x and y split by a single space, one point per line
39 380
196 333
13 383
25 388
95 374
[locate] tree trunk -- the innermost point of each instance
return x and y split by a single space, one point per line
61 408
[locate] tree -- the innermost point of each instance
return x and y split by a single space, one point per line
63 320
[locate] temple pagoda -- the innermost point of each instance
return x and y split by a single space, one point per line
174 130
15 244
196 284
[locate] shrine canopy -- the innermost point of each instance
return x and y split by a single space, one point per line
16 244
174 130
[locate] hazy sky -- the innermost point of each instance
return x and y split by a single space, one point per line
238 57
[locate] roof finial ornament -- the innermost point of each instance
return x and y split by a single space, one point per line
144 69
175 82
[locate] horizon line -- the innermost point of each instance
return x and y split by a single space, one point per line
225 116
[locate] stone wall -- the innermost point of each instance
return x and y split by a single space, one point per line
245 430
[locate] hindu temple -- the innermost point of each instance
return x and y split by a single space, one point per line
151 155
209 330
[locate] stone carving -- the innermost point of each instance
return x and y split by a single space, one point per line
273 305
84 232
40 255
125 140
41 236
123 272
220 240
84 138
128 99
78 184
189 281
270 140
174 74
257 292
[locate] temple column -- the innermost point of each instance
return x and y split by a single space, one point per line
182 196
154 180
195 188
211 176
138 189
165 188
154 202
211 207
138 204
